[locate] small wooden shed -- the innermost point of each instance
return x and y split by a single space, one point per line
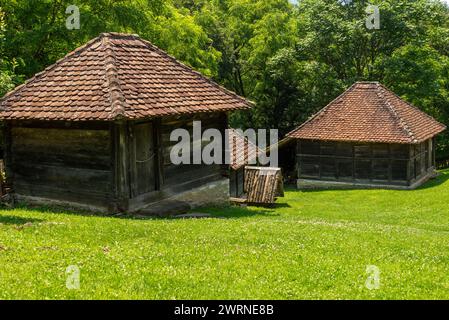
368 136
263 185
94 128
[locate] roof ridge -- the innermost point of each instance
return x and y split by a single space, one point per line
369 113
317 114
367 82
94 73
402 123
116 97
37 76
409 104
190 69
118 35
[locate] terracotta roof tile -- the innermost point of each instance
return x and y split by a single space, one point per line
369 112
116 76
242 149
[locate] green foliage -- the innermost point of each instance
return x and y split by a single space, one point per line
313 245
290 60
419 74
6 72
38 35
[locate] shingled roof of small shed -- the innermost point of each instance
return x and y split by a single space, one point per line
243 151
369 112
116 76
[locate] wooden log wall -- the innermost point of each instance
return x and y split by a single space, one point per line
62 162
186 176
354 162
236 182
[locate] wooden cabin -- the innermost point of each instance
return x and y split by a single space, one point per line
367 137
93 130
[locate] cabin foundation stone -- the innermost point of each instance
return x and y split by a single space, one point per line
215 193
309 184
62 204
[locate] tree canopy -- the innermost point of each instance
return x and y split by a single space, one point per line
291 60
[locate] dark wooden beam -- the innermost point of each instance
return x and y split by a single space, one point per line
121 165
7 156
159 149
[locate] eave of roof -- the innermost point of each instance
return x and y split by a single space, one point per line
402 122
124 84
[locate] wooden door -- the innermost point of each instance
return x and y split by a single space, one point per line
144 158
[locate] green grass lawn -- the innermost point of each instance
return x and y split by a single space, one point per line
313 245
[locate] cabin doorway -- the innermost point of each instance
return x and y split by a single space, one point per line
144 159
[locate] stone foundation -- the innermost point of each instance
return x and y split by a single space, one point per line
308 184
61 204
215 193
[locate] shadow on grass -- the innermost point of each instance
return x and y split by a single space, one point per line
434 182
236 211
18 221
281 205
215 212
58 210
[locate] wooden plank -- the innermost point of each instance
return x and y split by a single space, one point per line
9 172
143 159
121 168
159 155
61 162
262 184
233 184
87 161
65 125
73 179
60 141
52 193
238 200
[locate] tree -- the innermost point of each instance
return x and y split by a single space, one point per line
420 75
37 30
290 60
7 75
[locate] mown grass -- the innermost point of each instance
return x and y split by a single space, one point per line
313 245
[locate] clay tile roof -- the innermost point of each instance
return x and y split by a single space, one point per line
369 112
242 150
116 76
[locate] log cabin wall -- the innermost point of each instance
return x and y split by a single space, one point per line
370 163
178 178
69 162
152 176
236 182
137 167
119 166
